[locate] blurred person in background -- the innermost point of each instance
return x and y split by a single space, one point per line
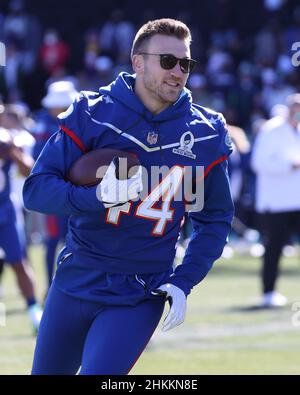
244 237
268 42
274 90
59 96
276 161
92 49
54 53
23 28
12 76
15 118
246 93
100 74
236 165
201 94
12 240
116 36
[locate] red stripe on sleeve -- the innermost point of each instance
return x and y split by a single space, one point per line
73 136
213 164
52 226
210 166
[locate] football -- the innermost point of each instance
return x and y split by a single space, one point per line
90 168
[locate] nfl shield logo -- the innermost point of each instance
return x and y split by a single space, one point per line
152 138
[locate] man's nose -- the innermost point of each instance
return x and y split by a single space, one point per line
176 71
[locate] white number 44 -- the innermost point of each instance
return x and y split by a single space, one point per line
165 192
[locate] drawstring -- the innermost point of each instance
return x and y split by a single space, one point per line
141 281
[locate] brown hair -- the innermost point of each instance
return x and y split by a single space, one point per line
165 26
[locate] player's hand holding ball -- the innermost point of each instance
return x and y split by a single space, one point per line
117 173
116 190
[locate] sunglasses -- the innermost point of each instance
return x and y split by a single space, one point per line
168 62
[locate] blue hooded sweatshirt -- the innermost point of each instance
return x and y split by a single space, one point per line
139 237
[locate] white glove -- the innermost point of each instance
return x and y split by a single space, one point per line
115 192
177 300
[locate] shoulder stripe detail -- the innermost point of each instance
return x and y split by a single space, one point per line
73 136
126 135
210 166
215 163
142 145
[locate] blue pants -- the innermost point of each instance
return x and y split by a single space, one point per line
101 339
10 240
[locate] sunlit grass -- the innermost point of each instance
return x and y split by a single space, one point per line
221 334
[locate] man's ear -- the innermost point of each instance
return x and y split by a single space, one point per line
137 64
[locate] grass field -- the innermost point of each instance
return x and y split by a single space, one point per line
222 334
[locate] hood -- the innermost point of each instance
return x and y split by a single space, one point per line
122 90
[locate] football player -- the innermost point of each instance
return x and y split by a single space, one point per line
60 95
11 140
116 272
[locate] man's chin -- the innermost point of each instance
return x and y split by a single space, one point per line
171 97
